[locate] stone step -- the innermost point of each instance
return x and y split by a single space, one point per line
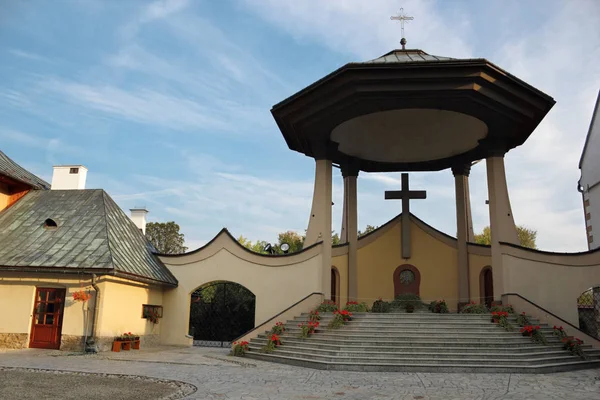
427 315
426 321
425 359
374 330
315 341
466 353
499 337
435 347
459 367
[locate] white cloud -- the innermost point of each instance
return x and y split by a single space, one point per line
364 28
29 55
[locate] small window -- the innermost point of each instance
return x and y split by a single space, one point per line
152 312
50 224
74 170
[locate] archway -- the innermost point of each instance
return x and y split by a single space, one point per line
220 312
335 285
588 309
407 279
486 286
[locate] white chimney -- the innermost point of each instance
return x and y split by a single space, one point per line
138 216
69 177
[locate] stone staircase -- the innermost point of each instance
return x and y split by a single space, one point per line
421 342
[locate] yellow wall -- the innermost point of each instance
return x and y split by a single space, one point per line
4 196
121 307
476 264
436 262
277 282
552 281
341 263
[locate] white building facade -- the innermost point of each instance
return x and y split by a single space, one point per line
589 183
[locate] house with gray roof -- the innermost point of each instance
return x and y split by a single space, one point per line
74 268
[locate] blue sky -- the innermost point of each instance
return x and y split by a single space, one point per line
167 103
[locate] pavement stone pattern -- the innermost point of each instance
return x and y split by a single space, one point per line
218 376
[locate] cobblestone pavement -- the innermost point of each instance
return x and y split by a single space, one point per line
218 376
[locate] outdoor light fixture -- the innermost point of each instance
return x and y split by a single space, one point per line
268 248
285 247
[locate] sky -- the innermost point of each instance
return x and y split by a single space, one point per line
167 103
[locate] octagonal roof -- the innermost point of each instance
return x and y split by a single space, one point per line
403 56
411 111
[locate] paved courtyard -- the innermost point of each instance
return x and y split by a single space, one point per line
214 375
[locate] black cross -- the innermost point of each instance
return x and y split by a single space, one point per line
405 195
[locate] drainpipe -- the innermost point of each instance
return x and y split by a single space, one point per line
95 316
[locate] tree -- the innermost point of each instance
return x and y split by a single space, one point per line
165 237
526 236
368 228
292 238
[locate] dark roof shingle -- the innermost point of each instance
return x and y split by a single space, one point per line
13 170
93 234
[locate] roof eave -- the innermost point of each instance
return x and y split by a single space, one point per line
587 137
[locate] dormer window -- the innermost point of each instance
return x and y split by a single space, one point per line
50 224
74 170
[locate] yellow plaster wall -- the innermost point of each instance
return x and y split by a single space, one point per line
552 281
17 298
277 282
476 264
4 196
121 307
341 263
435 260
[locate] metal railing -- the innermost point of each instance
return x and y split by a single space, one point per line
588 307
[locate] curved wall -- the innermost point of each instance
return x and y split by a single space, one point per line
551 280
276 281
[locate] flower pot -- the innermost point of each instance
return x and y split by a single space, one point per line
410 308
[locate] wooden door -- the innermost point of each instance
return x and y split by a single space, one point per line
407 279
488 287
47 318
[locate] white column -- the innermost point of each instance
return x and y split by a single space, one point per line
502 224
350 228
319 224
463 216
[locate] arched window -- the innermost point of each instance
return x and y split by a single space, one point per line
50 224
486 286
335 285
407 279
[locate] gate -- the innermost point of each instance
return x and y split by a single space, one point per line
588 307
221 312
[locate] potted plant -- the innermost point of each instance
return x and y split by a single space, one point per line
240 348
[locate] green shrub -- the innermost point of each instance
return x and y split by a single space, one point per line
438 307
327 306
239 349
380 306
407 301
339 319
523 320
473 308
354 306
499 307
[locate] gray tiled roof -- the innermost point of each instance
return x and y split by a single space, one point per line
13 170
93 234
406 56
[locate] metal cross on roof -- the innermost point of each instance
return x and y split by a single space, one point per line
402 17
